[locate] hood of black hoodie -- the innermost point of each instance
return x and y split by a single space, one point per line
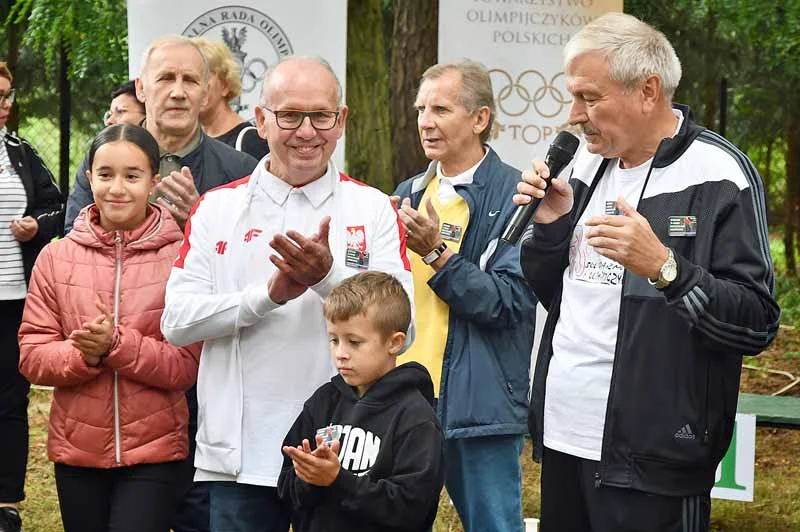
404 377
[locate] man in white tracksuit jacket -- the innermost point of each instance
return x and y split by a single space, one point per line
259 256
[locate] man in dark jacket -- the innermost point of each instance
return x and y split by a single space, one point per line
173 118
653 263
173 85
474 311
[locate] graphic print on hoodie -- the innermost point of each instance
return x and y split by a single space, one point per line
392 456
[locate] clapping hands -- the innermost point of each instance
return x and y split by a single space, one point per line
96 337
301 262
319 467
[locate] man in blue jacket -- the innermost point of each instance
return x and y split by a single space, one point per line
474 311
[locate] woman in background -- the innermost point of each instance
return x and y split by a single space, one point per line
30 216
118 422
217 117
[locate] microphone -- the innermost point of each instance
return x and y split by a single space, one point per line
559 154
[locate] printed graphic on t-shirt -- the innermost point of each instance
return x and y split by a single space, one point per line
587 265
359 447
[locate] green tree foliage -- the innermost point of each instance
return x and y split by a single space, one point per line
756 47
706 55
766 105
94 35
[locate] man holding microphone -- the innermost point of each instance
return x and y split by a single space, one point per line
653 263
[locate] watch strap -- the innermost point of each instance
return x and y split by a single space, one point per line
435 253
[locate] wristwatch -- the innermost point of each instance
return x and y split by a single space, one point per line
437 252
667 273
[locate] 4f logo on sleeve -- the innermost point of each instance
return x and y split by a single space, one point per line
356 255
251 234
221 247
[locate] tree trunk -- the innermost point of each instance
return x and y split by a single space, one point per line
793 189
414 48
788 247
710 81
64 120
368 146
766 178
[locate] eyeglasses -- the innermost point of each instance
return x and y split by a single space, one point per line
8 97
320 120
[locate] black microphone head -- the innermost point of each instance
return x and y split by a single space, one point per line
562 149
559 154
567 142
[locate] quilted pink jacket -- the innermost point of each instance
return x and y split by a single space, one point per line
131 408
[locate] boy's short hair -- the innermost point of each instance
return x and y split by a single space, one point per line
355 295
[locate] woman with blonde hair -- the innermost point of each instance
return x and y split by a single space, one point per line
217 117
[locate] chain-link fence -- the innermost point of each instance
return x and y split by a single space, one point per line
44 136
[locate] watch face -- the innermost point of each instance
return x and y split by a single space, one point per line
669 272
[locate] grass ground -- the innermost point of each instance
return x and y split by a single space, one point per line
777 490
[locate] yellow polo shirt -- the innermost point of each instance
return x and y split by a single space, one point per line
433 314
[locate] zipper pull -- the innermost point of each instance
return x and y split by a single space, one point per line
705 436
597 480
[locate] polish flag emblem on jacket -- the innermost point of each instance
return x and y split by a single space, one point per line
356 238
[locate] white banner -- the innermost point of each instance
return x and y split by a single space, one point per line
258 32
736 472
521 44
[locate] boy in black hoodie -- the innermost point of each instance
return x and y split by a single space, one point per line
377 461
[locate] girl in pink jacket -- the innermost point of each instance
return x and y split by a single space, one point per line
118 421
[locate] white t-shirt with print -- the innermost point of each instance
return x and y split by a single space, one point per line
585 336
586 333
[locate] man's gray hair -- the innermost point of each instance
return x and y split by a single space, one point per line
476 87
312 58
173 40
633 49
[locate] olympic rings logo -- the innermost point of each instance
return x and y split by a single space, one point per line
531 89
